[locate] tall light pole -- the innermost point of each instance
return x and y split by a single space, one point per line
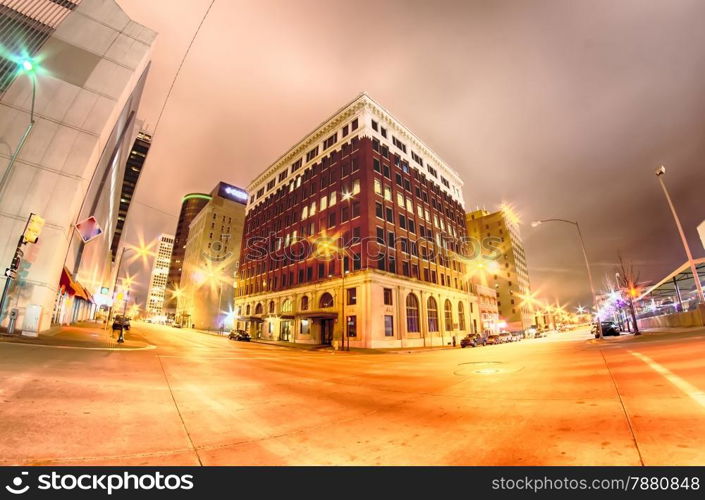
659 174
29 67
141 251
347 196
587 266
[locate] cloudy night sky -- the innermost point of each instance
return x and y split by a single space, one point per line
561 108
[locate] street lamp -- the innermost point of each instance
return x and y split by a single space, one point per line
587 265
141 251
659 173
347 196
25 65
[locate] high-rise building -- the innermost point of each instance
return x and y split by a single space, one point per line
354 235
133 169
191 205
88 62
211 260
158 278
496 238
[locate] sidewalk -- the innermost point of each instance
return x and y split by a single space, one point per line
359 350
85 335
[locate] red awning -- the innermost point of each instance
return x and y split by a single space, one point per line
69 285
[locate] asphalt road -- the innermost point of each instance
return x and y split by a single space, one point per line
201 399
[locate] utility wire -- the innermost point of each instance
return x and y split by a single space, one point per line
183 59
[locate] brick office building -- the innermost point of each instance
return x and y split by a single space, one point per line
359 220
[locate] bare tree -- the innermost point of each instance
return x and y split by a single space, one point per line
627 280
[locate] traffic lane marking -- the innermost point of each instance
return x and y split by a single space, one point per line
686 387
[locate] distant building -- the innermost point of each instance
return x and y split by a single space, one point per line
90 62
496 236
133 169
191 205
211 259
488 310
160 271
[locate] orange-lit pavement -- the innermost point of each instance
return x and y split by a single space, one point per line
197 398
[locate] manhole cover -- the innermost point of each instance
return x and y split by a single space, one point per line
484 368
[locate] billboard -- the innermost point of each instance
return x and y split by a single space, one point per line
232 193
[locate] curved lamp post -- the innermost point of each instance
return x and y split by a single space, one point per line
28 67
587 265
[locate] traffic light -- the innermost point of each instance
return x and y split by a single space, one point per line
34 227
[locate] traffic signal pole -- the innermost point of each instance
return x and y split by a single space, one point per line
29 235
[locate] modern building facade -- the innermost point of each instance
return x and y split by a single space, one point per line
497 241
352 239
160 273
191 205
133 169
211 260
89 73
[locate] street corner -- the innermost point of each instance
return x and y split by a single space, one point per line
78 338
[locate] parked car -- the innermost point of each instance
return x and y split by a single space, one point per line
473 340
505 337
609 329
530 332
517 336
121 322
239 335
493 340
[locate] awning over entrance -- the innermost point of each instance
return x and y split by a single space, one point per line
256 319
317 315
69 285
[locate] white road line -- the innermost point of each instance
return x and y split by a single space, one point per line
689 389
122 349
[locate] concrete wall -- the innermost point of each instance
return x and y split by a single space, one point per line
92 64
682 319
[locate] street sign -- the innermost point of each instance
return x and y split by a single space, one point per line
10 273
88 229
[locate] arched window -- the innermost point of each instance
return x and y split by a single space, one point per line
304 303
432 315
326 301
448 315
286 306
271 307
412 313
258 308
247 309
461 316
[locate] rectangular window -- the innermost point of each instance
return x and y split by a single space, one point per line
388 297
323 203
312 154
331 220
353 125
388 325
351 296
376 166
390 239
380 236
330 141
305 325
387 193
390 215
378 186
374 126
351 322
402 221
378 210
355 209
357 262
